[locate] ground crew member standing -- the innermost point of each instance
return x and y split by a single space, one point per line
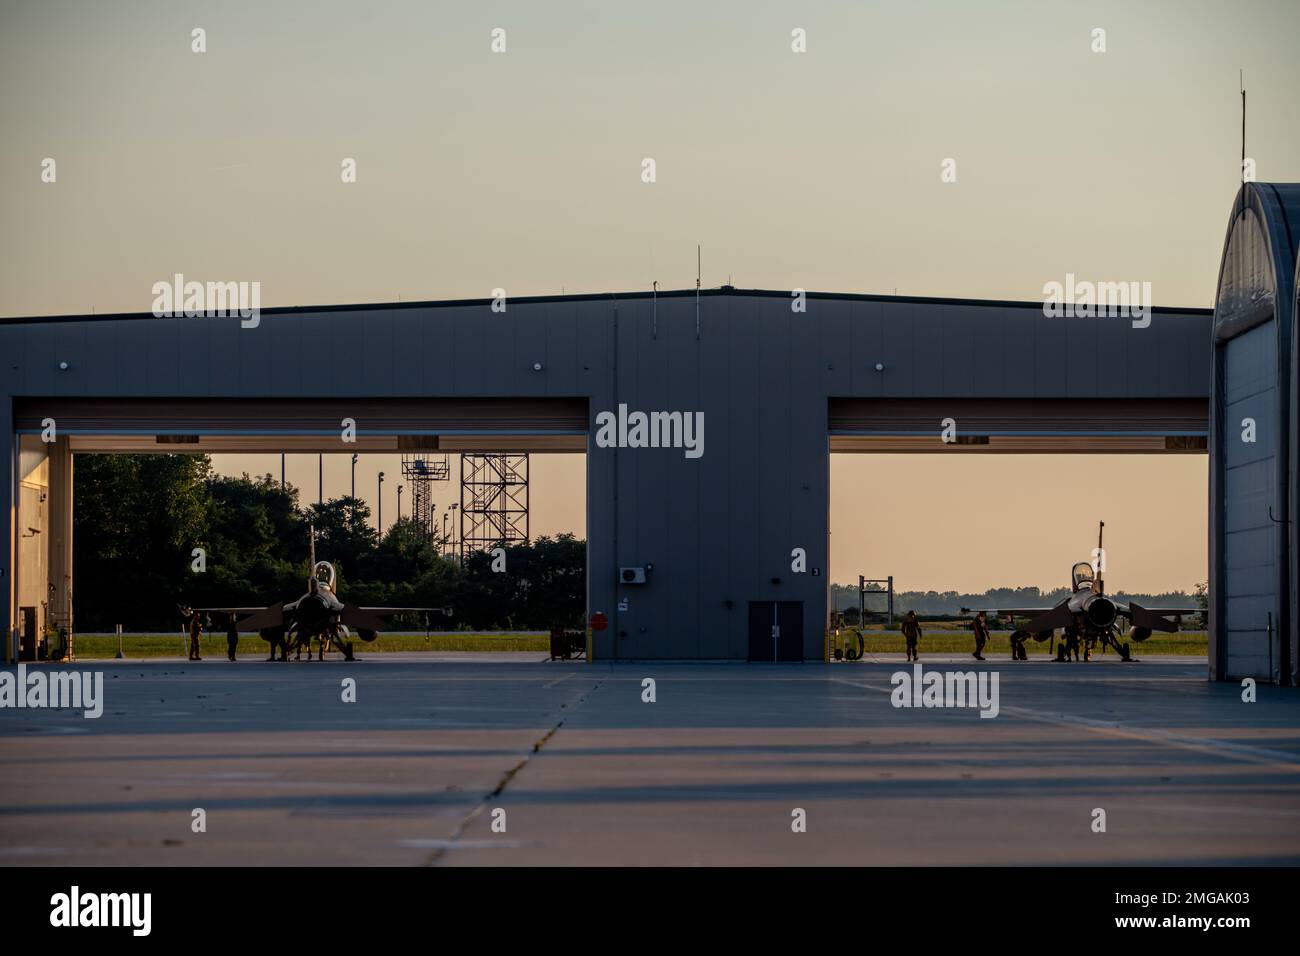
912 633
232 638
196 631
1018 652
981 635
276 638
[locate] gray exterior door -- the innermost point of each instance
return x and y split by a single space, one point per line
1249 490
789 622
775 631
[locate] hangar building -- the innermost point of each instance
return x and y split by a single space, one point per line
712 535
1253 474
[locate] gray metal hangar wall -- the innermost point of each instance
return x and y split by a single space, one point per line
1253 473
778 390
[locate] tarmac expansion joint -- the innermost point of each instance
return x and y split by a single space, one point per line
459 831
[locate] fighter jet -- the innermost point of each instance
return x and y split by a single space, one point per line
318 614
1089 617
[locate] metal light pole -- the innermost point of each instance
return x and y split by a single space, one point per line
282 471
454 506
399 504
320 493
354 474
379 518
444 530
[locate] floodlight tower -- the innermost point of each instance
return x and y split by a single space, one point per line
420 471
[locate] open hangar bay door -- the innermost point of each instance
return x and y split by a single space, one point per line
1253 473
899 429
43 578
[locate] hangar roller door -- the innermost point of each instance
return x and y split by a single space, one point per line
1250 548
291 416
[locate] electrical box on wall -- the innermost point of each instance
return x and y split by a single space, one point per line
631 575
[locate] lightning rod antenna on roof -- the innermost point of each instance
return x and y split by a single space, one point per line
654 310
1241 81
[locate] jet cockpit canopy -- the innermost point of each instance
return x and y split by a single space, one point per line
323 572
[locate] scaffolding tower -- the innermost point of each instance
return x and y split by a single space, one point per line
493 502
420 471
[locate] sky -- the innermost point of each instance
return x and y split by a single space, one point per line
522 169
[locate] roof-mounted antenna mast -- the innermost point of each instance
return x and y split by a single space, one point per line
654 311
1241 81
697 291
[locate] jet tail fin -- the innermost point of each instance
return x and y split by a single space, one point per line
311 559
1100 587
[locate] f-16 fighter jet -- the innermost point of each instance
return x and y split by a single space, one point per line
318 614
1088 616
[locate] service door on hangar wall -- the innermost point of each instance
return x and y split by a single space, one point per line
776 631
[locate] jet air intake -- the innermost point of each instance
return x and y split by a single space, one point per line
1101 612
312 613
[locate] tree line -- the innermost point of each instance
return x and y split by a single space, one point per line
139 518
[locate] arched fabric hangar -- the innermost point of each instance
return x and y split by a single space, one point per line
1253 446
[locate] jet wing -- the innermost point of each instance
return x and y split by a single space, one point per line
364 618
374 618
231 610
1007 611
389 611
1040 618
256 617
1157 619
